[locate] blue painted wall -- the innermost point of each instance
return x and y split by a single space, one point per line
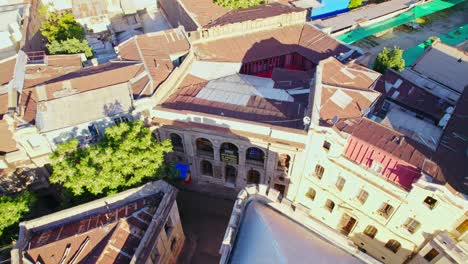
330 8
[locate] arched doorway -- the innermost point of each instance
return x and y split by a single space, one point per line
176 141
255 156
229 153
253 177
204 147
231 174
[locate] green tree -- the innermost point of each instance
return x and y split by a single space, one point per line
389 59
238 4
60 27
70 46
354 4
13 209
126 156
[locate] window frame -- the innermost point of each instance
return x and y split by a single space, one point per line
329 202
359 194
307 194
319 171
370 234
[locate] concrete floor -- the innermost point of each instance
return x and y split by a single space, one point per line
441 23
205 217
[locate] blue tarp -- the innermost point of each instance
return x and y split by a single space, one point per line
330 8
182 169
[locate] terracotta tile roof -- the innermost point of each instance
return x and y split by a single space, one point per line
451 154
3 104
7 67
157 58
64 60
353 76
7 143
304 39
140 88
253 13
104 237
347 90
203 11
411 95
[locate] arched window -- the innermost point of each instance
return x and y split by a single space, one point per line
253 177
176 141
204 147
206 168
255 156
370 231
229 153
393 245
283 162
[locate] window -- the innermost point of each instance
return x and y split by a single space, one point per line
430 202
376 166
412 225
283 162
393 245
340 182
463 227
330 205
385 210
206 168
431 255
204 147
362 196
253 177
177 143
168 227
319 170
120 119
370 231
229 153
326 145
255 154
311 194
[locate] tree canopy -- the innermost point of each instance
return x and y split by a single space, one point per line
354 4
60 27
70 46
125 156
63 33
13 209
237 4
389 59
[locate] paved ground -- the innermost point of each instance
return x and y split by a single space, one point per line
204 216
439 23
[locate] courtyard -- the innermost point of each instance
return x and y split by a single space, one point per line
432 25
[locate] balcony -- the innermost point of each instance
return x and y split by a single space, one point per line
205 154
179 149
255 163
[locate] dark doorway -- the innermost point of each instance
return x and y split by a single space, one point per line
231 175
253 177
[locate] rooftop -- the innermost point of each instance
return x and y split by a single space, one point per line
108 230
452 60
306 40
452 152
7 67
203 11
402 91
7 143
253 13
160 59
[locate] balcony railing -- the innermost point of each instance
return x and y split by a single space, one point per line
254 162
205 153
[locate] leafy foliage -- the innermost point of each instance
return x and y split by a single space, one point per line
238 4
13 209
60 27
354 4
70 46
63 33
126 156
389 59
